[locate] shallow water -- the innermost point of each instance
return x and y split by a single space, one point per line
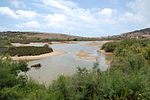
65 64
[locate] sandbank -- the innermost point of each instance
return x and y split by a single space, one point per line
54 53
86 56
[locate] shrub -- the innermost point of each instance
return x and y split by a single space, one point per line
110 46
28 50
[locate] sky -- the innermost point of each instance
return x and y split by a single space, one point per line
90 18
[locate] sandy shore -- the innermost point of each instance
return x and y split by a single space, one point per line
95 44
54 53
104 52
86 56
109 62
65 42
50 43
58 42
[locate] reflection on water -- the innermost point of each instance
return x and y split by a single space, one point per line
65 64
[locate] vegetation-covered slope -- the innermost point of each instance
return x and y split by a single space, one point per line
143 33
37 35
5 43
25 37
138 34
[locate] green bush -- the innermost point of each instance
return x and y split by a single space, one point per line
110 46
9 72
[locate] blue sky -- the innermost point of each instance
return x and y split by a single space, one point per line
76 17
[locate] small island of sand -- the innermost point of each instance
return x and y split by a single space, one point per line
36 57
86 56
95 44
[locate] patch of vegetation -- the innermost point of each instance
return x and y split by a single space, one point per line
110 46
4 43
28 50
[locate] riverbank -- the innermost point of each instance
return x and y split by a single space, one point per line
57 42
54 53
109 56
86 56
50 43
104 52
95 44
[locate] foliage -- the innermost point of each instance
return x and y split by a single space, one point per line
9 72
110 46
28 50
4 43
46 46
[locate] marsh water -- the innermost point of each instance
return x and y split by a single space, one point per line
65 64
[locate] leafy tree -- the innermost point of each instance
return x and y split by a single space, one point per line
46 46
110 46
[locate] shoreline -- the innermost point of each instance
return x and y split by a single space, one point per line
104 52
50 43
108 61
37 57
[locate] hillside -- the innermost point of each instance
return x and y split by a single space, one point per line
34 35
16 36
143 33
138 34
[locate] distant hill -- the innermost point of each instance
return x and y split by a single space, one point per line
16 36
138 34
143 33
35 35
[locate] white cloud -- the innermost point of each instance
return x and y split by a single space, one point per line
106 16
69 8
8 12
26 14
17 3
31 24
58 21
89 18
18 13
69 15
56 17
61 4
132 18
107 12
141 9
80 13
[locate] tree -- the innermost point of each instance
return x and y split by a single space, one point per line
46 46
